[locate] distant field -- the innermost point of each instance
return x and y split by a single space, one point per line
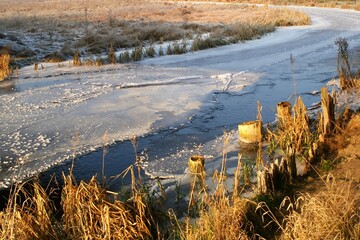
147 11
354 4
95 26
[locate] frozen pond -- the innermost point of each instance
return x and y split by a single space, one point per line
172 103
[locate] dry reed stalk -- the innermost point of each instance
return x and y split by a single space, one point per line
32 219
237 175
105 151
5 69
349 82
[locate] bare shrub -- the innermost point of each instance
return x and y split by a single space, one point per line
178 49
161 51
348 79
150 51
124 57
169 50
152 31
212 41
137 53
94 61
245 31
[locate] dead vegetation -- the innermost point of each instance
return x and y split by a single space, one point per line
30 220
5 68
330 214
89 212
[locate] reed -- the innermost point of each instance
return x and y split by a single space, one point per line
5 68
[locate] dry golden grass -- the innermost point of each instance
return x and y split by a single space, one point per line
109 11
88 213
5 69
349 82
30 220
345 4
212 13
330 214
224 219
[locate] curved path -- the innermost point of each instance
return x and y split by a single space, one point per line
174 102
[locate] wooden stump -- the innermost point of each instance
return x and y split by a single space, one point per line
250 132
328 110
262 186
273 178
292 169
196 164
283 110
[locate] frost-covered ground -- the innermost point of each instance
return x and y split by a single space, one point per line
181 101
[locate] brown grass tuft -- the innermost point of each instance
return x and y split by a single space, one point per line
330 214
5 69
88 213
30 220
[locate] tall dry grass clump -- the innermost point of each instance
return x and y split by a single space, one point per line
5 68
33 219
330 214
89 214
224 219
